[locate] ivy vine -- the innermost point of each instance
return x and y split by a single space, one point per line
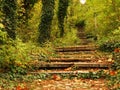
46 20
9 19
62 12
27 6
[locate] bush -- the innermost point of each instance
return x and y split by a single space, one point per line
111 42
114 79
15 55
69 39
109 45
116 57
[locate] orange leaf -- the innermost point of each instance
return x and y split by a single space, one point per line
56 77
112 73
18 88
116 50
25 88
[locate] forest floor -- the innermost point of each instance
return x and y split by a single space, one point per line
67 84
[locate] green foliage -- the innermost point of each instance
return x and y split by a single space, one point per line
28 29
90 75
14 56
116 58
80 23
100 21
46 20
9 20
109 43
114 81
62 12
109 46
3 36
24 11
70 38
116 64
9 81
28 19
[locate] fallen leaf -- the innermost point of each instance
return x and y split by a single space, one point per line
116 50
112 73
18 88
56 77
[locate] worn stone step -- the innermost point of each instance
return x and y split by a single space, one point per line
76 64
60 72
82 37
93 64
76 48
67 72
75 52
70 59
75 55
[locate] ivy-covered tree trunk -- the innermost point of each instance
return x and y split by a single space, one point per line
25 15
62 12
46 20
9 20
27 6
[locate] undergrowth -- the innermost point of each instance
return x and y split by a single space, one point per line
114 78
10 81
110 42
68 40
15 55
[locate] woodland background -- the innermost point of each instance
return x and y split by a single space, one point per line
35 27
31 29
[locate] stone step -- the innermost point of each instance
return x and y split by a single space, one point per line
76 64
75 55
60 72
76 48
81 37
70 59
68 72
93 64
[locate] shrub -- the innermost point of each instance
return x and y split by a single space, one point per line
111 42
109 46
15 55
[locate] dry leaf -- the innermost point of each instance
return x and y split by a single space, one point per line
56 77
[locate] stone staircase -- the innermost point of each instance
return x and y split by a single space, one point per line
82 58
